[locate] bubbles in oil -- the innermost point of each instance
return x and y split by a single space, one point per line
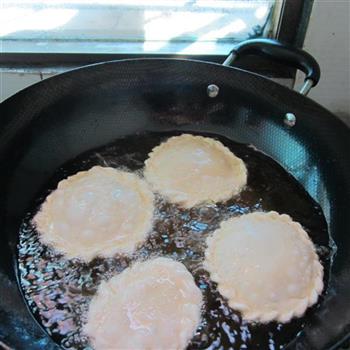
58 291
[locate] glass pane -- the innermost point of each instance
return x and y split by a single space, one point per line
152 26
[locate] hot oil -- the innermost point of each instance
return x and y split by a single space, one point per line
58 291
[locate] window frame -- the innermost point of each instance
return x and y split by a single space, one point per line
291 29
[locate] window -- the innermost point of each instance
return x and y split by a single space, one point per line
187 27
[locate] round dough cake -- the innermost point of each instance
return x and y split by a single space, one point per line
152 305
265 265
190 170
99 212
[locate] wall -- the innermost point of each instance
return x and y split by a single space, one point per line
12 81
328 40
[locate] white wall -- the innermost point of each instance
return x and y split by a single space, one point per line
328 40
12 81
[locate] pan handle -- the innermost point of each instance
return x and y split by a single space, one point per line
282 53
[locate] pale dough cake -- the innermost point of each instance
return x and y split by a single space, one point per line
265 265
190 170
99 212
152 305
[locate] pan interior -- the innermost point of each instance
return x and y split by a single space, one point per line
58 291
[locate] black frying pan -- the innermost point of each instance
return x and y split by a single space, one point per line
51 122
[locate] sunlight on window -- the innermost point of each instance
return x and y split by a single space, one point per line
17 19
227 4
154 26
234 27
261 11
165 26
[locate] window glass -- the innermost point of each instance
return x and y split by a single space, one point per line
132 26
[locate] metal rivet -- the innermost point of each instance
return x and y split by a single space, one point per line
290 119
213 90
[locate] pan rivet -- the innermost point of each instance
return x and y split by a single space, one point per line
290 119
212 90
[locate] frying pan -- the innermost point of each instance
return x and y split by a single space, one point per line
53 121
